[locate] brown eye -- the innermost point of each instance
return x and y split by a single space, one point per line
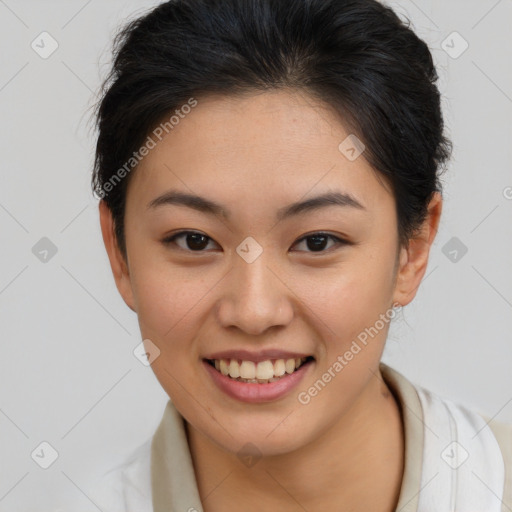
198 242
317 242
194 241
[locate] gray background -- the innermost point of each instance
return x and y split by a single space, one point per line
68 373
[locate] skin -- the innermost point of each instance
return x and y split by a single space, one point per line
256 154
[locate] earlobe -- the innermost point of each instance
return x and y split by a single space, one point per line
414 258
118 263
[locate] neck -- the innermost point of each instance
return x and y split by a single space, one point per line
357 462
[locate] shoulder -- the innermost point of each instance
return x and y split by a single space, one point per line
497 433
503 434
127 486
485 438
450 429
493 437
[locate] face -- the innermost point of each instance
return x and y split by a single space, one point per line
255 279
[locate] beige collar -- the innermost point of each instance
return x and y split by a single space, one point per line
173 482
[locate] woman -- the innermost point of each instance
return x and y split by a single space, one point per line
269 184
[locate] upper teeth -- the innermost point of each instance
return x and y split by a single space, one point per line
262 371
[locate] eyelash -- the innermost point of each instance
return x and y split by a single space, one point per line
340 241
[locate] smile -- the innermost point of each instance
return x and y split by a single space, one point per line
262 372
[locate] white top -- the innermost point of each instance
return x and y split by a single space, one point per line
455 461
127 487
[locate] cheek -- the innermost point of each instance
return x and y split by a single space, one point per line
168 300
351 296
168 305
353 315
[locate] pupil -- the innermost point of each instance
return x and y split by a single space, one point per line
317 245
196 241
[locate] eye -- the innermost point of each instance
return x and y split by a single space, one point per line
317 241
197 242
194 241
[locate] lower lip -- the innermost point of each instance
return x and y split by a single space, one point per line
252 392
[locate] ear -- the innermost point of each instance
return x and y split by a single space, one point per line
414 259
118 264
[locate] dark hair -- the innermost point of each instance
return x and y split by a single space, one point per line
357 56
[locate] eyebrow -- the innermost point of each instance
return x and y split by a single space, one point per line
204 205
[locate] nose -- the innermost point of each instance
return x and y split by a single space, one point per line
255 297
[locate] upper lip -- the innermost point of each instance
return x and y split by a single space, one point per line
262 355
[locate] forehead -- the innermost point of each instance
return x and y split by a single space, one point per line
262 146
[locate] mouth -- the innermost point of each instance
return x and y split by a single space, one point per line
262 372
